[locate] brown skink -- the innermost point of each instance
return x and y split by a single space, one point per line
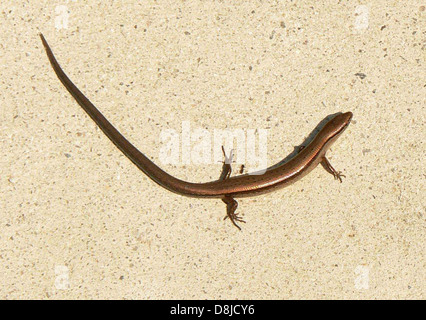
227 188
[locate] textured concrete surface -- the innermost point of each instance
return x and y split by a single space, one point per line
79 220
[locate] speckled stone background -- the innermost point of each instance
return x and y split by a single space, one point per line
79 220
